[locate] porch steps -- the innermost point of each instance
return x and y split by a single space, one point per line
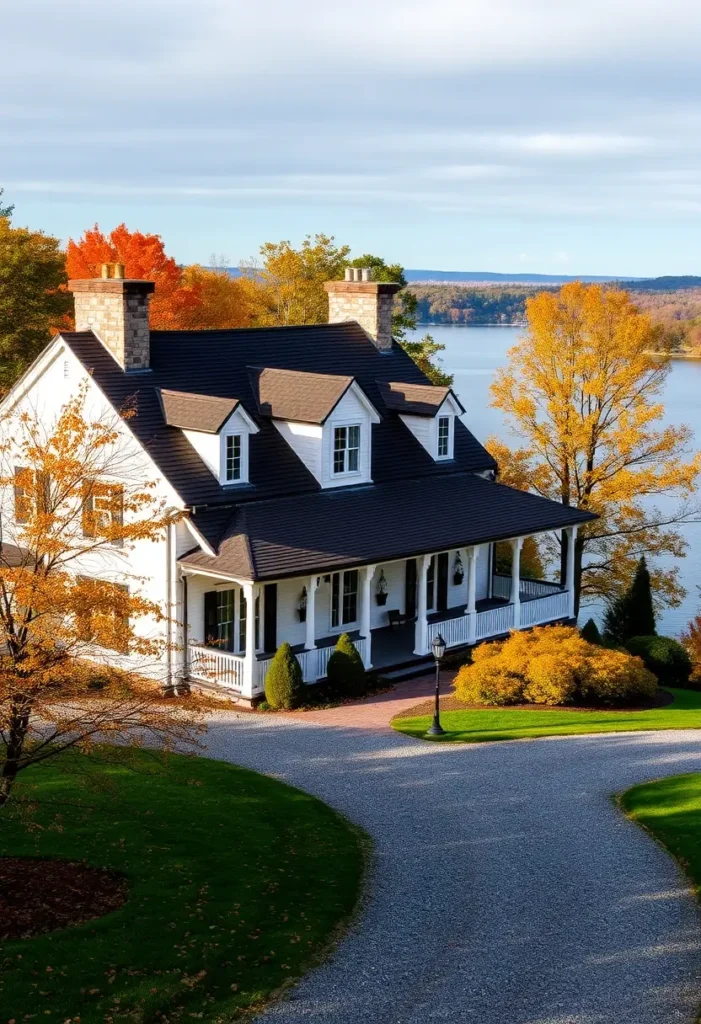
408 671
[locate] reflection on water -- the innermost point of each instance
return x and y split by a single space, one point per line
472 354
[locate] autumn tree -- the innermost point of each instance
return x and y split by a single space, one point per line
582 395
5 211
33 300
224 302
81 645
288 283
176 304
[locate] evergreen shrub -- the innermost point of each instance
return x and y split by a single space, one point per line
590 632
346 672
664 656
284 686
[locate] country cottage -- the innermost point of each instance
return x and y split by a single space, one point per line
326 486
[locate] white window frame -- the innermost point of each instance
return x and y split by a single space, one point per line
446 437
242 478
236 457
346 472
451 437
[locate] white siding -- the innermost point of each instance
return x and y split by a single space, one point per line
211 447
305 440
395 574
288 625
482 589
420 426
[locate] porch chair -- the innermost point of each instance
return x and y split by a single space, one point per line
395 617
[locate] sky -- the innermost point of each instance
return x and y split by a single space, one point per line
496 135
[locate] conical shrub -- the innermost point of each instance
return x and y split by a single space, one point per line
590 632
284 686
346 672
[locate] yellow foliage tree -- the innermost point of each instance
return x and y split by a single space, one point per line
72 508
582 394
224 302
288 283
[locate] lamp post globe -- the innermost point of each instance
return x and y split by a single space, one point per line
438 647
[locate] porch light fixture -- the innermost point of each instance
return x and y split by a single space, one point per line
302 605
438 647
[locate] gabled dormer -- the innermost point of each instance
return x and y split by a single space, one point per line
217 428
326 419
428 411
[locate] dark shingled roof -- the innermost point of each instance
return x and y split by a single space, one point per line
216 363
301 397
353 526
414 399
14 557
196 412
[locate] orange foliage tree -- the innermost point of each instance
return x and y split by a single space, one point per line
582 394
73 506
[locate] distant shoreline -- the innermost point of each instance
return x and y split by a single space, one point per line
521 323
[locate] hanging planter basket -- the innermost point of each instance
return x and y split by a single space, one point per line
302 606
381 599
458 571
302 612
458 578
382 588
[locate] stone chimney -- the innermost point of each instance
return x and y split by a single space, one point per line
367 301
117 311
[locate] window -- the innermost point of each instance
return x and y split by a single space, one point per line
443 437
30 488
233 458
344 598
103 511
346 449
243 614
102 614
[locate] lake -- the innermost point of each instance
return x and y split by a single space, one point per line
472 354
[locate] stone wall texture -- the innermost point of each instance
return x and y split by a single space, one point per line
117 311
370 303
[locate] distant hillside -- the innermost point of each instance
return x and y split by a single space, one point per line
662 284
474 276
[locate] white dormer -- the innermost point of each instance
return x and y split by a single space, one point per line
326 419
428 411
217 428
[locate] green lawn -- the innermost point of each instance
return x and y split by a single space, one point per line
671 810
484 726
238 884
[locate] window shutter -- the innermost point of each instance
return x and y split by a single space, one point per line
88 507
117 508
43 491
22 498
210 617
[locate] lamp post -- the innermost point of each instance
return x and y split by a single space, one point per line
438 648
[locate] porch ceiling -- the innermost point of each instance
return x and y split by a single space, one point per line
347 527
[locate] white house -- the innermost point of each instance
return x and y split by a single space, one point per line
326 486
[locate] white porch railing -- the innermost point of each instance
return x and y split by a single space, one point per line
454 631
544 609
501 587
495 621
314 663
209 665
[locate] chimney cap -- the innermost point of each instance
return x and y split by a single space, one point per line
358 274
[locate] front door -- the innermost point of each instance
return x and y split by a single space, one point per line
442 582
410 589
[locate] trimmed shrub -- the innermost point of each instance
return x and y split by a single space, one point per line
691 639
284 687
552 665
346 672
664 656
590 632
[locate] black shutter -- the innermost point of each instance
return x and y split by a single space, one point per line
410 589
270 618
442 573
211 633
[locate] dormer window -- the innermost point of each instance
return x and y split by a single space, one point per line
444 423
219 430
233 458
346 449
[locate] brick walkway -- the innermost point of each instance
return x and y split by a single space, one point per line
376 712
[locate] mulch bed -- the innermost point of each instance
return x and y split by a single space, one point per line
39 895
661 700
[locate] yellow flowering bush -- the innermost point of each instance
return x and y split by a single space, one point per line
552 665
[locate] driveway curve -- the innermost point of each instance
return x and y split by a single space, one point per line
506 888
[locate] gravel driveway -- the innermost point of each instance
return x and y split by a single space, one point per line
506 887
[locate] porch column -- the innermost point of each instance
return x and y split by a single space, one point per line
471 611
571 532
515 598
310 641
421 618
365 608
250 591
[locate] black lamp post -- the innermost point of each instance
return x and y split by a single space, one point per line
438 648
